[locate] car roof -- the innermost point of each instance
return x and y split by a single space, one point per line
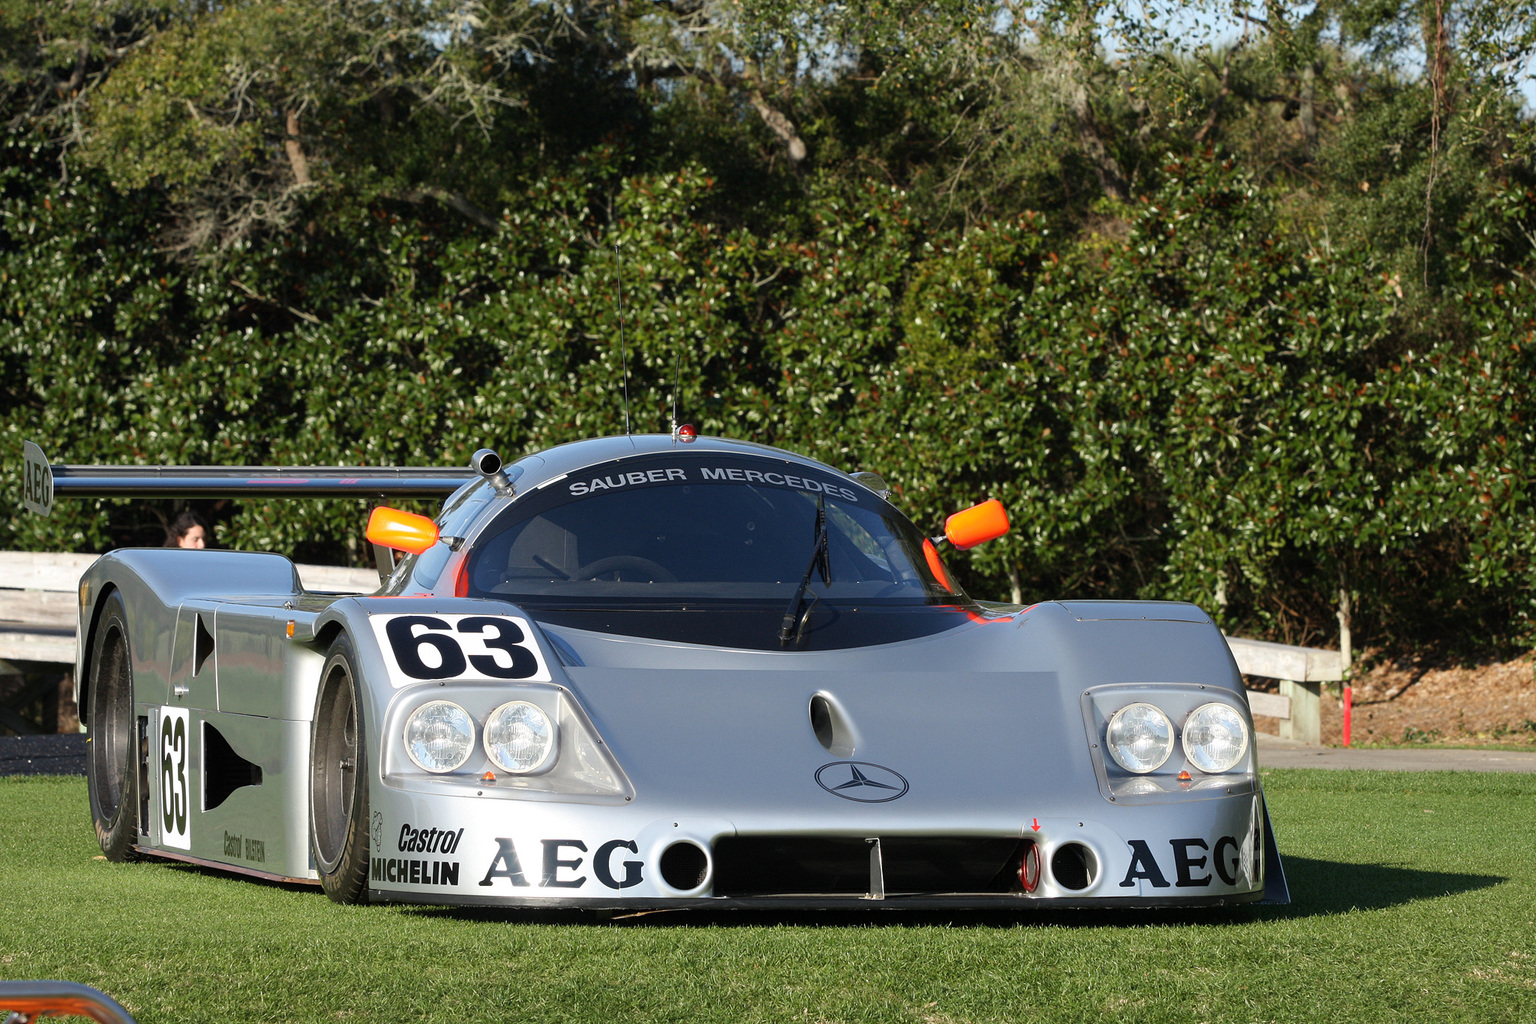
478 501
543 467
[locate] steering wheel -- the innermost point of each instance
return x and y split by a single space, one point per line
616 564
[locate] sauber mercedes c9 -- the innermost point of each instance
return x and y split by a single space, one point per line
654 671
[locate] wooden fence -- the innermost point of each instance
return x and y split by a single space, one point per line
37 628
37 633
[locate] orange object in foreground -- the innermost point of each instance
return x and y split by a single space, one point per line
33 999
977 524
401 531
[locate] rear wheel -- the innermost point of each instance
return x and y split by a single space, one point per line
338 779
110 765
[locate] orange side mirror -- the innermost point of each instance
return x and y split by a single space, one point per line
401 531
977 524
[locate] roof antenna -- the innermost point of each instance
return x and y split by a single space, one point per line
683 432
677 368
618 281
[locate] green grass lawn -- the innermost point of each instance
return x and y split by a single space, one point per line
1414 900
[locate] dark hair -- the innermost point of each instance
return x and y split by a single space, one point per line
181 524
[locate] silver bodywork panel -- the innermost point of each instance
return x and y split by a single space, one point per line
917 768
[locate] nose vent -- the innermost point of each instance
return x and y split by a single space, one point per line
684 866
833 729
1074 866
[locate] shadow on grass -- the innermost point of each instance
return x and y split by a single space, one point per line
1319 888
1322 887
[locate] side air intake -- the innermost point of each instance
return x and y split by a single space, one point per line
224 771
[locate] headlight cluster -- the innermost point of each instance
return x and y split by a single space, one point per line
1140 738
519 737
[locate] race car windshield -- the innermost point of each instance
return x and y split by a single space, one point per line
646 531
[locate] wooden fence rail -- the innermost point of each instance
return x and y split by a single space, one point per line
37 626
1301 672
37 632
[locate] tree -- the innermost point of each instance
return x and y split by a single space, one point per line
245 113
53 58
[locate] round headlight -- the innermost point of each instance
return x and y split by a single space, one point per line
519 737
439 736
1215 738
1140 738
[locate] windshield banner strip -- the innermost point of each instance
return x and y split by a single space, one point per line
695 473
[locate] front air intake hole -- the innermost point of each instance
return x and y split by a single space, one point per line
821 720
1073 866
800 865
684 866
830 724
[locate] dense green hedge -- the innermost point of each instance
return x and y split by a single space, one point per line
1200 404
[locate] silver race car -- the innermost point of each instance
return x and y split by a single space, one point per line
655 671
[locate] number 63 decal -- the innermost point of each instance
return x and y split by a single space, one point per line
175 787
442 647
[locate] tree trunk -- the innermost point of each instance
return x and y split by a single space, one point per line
1077 54
783 127
1309 107
1105 166
295 150
1437 53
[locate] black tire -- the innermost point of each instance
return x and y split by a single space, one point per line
338 779
111 765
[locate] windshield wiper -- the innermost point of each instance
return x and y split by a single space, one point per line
793 627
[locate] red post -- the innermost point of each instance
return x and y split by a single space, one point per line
1349 703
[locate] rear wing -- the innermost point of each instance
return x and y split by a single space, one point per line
43 481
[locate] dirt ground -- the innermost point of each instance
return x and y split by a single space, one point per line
1405 702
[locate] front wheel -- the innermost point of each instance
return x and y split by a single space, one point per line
338 779
110 765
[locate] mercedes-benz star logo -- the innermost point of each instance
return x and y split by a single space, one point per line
861 781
